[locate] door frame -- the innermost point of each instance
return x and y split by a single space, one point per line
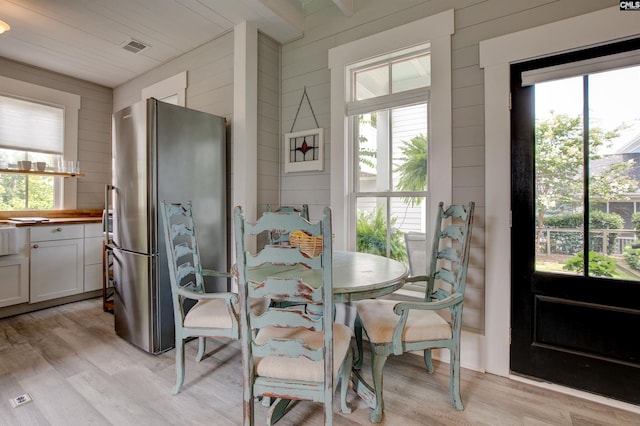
496 55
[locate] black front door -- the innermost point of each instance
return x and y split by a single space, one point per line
575 274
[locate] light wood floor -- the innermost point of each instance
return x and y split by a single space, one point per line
79 372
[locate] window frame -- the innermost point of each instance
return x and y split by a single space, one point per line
70 103
436 31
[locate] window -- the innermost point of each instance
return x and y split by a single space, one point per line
391 104
388 113
38 124
35 132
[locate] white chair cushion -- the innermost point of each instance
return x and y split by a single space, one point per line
209 313
379 320
301 368
214 313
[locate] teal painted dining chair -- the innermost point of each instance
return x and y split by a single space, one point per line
276 237
196 312
295 352
394 328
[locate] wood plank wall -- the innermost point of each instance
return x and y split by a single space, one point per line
94 126
305 63
269 139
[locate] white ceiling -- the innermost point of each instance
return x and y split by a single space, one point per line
84 38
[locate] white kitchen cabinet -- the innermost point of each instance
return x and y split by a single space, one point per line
14 270
14 280
56 262
93 240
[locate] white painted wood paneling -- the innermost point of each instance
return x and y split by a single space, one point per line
268 123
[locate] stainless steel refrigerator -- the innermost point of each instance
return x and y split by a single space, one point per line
162 152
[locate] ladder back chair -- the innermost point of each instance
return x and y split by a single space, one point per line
293 352
283 238
396 327
413 288
213 314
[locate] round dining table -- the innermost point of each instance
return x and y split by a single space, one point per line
358 276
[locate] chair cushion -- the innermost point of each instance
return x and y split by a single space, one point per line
379 320
301 368
213 313
209 313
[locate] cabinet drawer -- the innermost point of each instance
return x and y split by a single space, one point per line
60 232
93 230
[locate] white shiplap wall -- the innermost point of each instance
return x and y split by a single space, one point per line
305 63
268 122
209 79
94 126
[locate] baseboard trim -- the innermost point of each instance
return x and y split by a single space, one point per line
578 393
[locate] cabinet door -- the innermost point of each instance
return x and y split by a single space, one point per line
93 277
57 269
14 280
93 250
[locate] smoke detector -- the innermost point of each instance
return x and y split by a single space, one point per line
134 46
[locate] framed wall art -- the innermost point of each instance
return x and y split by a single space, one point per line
303 151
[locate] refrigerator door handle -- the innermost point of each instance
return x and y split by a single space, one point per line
108 211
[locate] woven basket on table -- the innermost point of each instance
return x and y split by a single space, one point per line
309 244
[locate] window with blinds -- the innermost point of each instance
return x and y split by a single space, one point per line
29 131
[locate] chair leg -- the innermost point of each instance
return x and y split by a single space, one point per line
179 365
277 411
202 348
428 361
345 407
248 410
454 379
357 330
377 365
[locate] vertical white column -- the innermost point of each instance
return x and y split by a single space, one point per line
245 119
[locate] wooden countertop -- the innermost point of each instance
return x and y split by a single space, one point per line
58 221
55 217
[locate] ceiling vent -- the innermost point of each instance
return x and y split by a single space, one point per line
134 46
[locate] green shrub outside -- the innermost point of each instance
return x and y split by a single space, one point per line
599 265
371 235
632 256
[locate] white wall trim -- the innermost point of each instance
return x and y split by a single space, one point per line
245 119
496 55
175 85
437 30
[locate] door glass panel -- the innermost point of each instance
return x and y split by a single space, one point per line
602 144
614 171
559 174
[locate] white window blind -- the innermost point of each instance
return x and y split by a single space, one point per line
31 126
578 68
